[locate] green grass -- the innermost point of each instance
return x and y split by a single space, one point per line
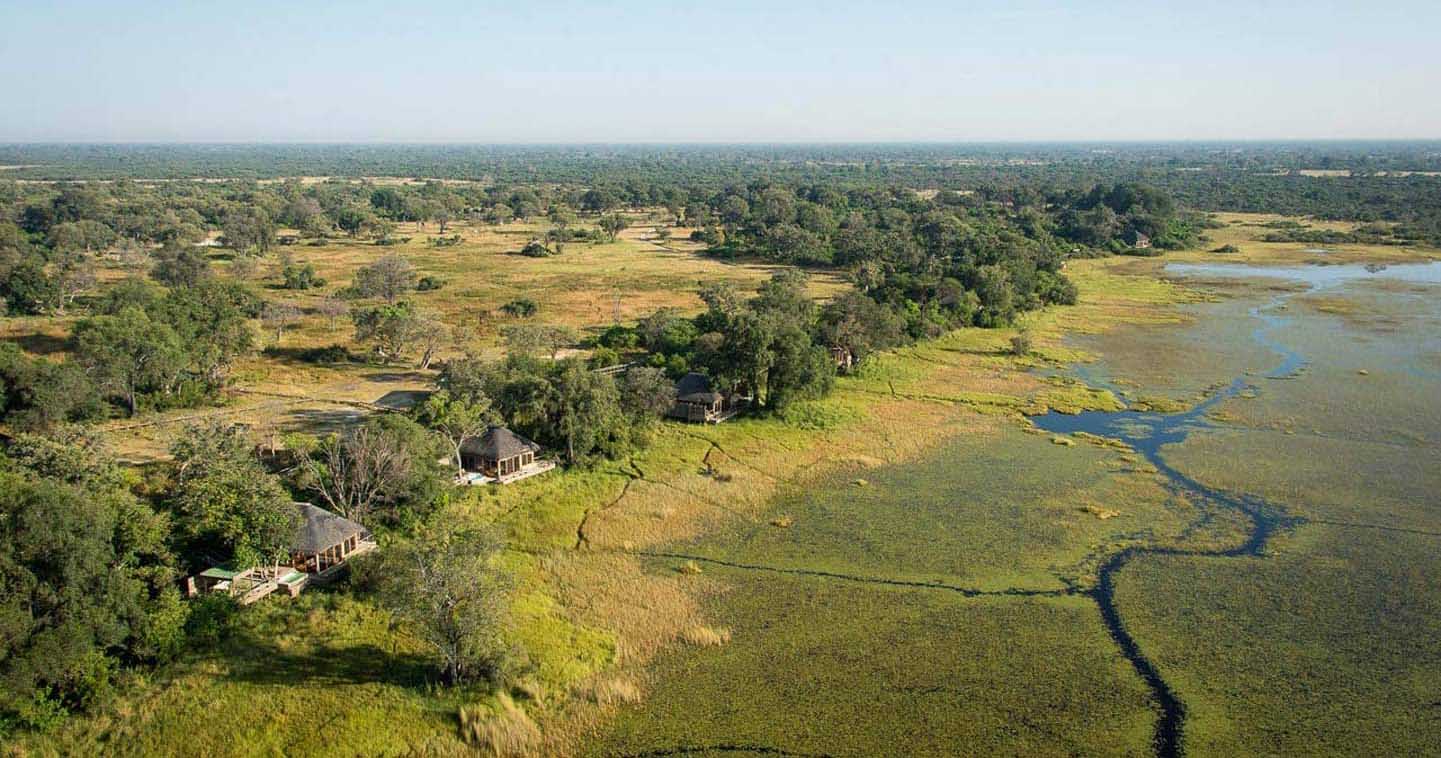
1327 648
989 510
297 678
816 666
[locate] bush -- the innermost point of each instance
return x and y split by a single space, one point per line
327 354
536 249
1227 249
604 356
619 337
301 277
520 308
429 283
41 713
450 241
211 618
189 393
1021 344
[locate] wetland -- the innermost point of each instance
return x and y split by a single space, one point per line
1227 578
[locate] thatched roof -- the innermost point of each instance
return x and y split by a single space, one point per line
320 529
695 388
498 443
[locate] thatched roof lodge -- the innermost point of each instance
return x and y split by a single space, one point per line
697 401
324 541
502 456
322 544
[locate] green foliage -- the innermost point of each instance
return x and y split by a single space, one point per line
456 418
301 277
129 354
390 329
536 249
180 265
520 308
28 289
227 506
88 587
327 354
448 584
36 394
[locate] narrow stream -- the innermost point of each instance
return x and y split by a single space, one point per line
1148 433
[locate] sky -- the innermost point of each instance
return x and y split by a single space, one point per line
643 71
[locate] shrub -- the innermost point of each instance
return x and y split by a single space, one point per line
619 337
604 356
536 249
327 354
301 277
1227 249
210 619
520 308
429 283
1021 344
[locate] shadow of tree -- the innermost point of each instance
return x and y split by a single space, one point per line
40 344
259 660
315 420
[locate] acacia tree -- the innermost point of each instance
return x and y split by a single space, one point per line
387 462
613 225
388 278
392 329
279 317
128 353
449 584
226 499
456 419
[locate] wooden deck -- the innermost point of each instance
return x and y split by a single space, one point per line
472 478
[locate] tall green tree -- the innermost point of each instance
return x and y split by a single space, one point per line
128 354
456 419
88 589
449 584
226 504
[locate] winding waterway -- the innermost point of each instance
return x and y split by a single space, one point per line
1148 433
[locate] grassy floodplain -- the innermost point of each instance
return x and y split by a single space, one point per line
754 585
594 616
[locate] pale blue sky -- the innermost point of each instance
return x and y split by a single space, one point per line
642 71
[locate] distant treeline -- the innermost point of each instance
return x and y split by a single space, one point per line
1376 181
